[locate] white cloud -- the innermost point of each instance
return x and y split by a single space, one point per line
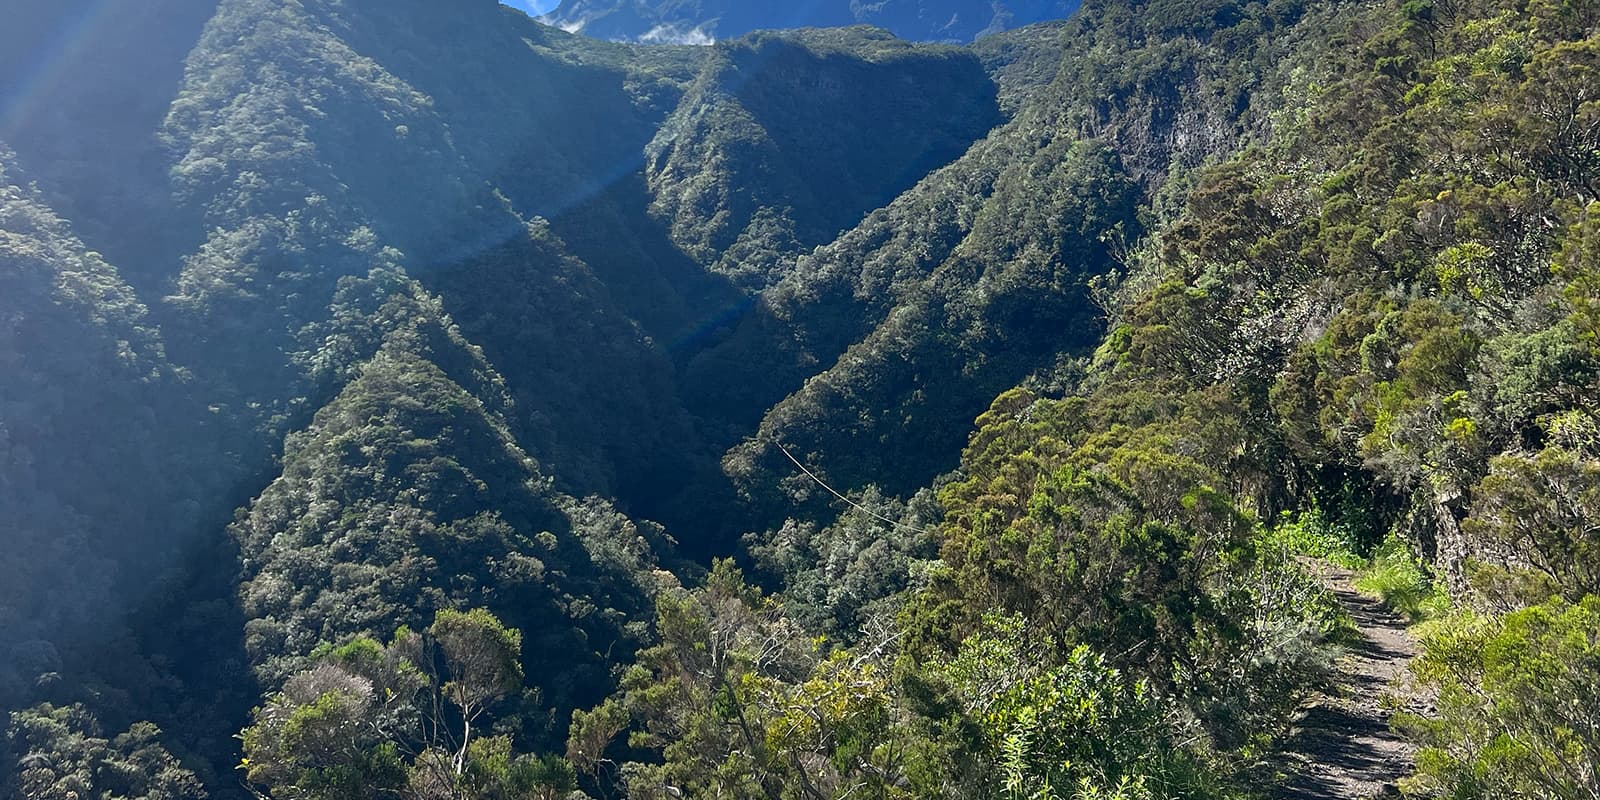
673 34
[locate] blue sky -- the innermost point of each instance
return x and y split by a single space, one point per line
533 6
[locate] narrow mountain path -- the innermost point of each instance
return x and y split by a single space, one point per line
1343 749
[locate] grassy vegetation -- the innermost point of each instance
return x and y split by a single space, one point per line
1311 534
1396 576
1392 572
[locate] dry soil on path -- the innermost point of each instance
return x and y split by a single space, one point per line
1342 748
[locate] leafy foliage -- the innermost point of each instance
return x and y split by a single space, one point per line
1511 718
1396 577
61 754
1311 534
1080 729
370 720
738 704
851 575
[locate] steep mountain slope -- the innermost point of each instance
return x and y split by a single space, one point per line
895 335
86 411
700 21
1376 326
785 141
85 85
113 480
299 192
408 493
282 291
445 304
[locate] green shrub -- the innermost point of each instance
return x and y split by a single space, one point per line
1310 533
1396 576
1516 704
1078 729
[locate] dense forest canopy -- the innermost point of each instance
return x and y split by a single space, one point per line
404 399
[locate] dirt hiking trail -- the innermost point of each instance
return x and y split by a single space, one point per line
1343 749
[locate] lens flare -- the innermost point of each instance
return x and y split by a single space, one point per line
65 43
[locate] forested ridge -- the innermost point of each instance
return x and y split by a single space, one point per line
413 400
690 21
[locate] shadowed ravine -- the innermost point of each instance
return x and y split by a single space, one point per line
1343 747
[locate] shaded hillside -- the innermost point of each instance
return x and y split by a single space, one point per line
897 334
91 410
327 204
408 494
485 155
785 140
85 85
524 212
